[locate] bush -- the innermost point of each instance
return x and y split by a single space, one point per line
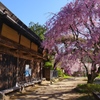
60 72
48 64
67 76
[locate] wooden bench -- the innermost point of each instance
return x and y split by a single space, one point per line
19 86
96 95
25 84
4 92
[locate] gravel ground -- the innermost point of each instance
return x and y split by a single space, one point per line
62 90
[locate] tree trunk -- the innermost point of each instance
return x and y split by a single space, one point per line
90 80
91 77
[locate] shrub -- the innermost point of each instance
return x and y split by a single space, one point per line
60 72
48 64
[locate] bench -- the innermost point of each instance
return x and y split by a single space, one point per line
96 95
22 85
4 92
19 86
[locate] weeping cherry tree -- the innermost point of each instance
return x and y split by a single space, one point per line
73 35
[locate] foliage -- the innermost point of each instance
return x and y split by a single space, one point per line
66 76
74 34
60 72
48 64
38 29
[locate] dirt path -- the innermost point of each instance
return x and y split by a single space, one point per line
57 91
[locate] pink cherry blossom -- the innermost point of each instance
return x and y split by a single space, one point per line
74 35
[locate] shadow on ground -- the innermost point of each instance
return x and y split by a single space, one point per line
29 95
63 90
87 97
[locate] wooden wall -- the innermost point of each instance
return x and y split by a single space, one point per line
34 46
7 71
9 33
36 70
12 70
13 35
25 42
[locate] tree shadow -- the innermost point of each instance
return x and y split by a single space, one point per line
86 97
29 95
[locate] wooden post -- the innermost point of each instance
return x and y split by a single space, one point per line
17 68
0 26
41 66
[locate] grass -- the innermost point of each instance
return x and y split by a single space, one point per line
66 76
94 87
98 76
87 89
82 88
86 97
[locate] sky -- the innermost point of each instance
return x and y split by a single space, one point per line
34 10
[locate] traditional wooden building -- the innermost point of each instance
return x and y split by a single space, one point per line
20 49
